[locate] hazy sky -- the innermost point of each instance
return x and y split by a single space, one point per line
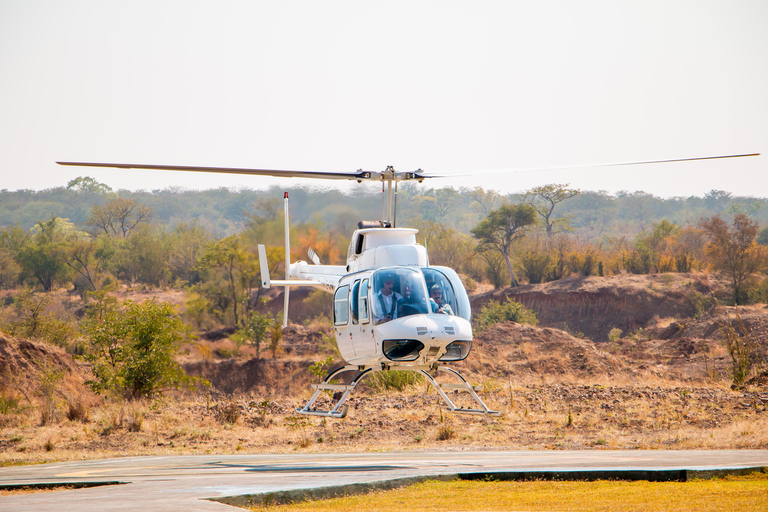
338 86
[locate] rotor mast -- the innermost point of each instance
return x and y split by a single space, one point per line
388 199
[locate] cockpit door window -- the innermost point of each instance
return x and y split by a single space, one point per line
362 302
341 305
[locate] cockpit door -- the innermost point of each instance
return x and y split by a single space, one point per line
362 327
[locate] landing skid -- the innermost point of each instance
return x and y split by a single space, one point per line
340 409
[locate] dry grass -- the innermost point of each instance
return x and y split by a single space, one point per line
745 494
551 416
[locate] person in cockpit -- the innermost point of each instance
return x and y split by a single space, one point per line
385 301
437 300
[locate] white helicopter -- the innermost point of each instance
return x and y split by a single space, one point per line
392 310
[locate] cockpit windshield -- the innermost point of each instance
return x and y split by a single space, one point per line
398 292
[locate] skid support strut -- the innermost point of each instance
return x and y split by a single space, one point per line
340 409
462 385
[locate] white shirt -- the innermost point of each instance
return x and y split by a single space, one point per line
387 299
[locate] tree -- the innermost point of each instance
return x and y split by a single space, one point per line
734 250
688 248
484 200
9 269
43 259
254 330
238 265
653 245
762 236
502 227
132 348
88 184
187 244
79 256
275 336
545 198
118 217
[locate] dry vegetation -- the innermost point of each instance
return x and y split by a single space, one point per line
662 382
732 493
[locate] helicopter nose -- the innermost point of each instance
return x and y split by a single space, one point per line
440 329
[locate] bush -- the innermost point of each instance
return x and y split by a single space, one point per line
512 311
78 411
132 348
33 319
446 432
397 380
228 412
536 265
254 330
741 346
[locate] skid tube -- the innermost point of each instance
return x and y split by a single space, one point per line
340 409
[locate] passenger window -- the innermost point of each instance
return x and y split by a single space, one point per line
354 303
362 304
341 305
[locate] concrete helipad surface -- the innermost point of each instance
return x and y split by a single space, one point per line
186 483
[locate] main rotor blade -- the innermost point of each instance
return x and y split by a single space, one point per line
358 176
585 166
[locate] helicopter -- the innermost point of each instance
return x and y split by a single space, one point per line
392 310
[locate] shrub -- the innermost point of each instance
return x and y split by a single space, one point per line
320 368
445 432
77 410
228 412
254 330
49 380
512 311
132 349
135 420
397 380
741 347
33 319
536 265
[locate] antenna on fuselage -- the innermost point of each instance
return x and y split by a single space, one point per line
394 216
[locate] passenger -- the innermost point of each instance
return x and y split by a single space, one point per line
437 302
385 303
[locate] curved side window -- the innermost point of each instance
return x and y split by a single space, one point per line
446 293
341 305
354 305
362 302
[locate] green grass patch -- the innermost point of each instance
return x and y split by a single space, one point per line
743 493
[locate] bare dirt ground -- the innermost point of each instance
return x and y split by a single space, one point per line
664 383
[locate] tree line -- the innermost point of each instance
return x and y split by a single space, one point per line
544 234
590 215
541 235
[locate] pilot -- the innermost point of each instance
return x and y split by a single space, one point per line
437 301
385 302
